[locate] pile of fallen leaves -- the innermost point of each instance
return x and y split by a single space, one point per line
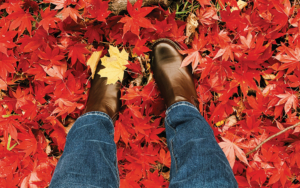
246 63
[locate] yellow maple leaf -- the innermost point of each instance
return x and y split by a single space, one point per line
114 65
93 62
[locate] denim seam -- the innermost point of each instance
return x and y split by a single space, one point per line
67 183
175 158
102 114
168 124
182 103
172 150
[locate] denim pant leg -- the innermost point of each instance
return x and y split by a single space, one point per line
89 158
196 158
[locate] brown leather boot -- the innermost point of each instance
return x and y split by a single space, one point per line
104 98
175 83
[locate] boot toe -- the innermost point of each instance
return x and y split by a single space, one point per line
165 51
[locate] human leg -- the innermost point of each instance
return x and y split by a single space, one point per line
89 158
196 158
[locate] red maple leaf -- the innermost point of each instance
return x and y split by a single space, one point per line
20 95
28 143
40 39
59 3
194 55
154 180
177 33
140 48
7 65
3 84
77 52
231 150
49 20
137 19
204 2
73 13
98 9
6 39
51 57
165 157
123 128
289 99
245 79
289 57
208 15
65 107
135 110
94 32
56 71
20 20
134 69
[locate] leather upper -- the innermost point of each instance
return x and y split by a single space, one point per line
175 83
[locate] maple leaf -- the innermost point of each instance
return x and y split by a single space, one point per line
245 79
59 3
56 71
21 20
20 95
11 6
247 41
30 110
231 150
40 39
122 129
135 68
194 55
226 52
28 143
76 52
73 13
177 34
93 61
3 84
94 32
7 65
51 57
139 48
49 20
289 57
204 2
290 99
137 19
9 162
6 39
165 157
98 9
162 28
38 71
114 65
208 15
154 180
65 106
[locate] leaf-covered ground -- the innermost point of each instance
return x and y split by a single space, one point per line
246 61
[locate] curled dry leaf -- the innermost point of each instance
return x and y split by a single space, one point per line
229 122
93 62
192 24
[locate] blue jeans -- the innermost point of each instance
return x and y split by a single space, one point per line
89 159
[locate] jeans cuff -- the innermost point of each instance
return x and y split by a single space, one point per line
181 103
97 113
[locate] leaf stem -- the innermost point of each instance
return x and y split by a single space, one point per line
274 135
8 144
